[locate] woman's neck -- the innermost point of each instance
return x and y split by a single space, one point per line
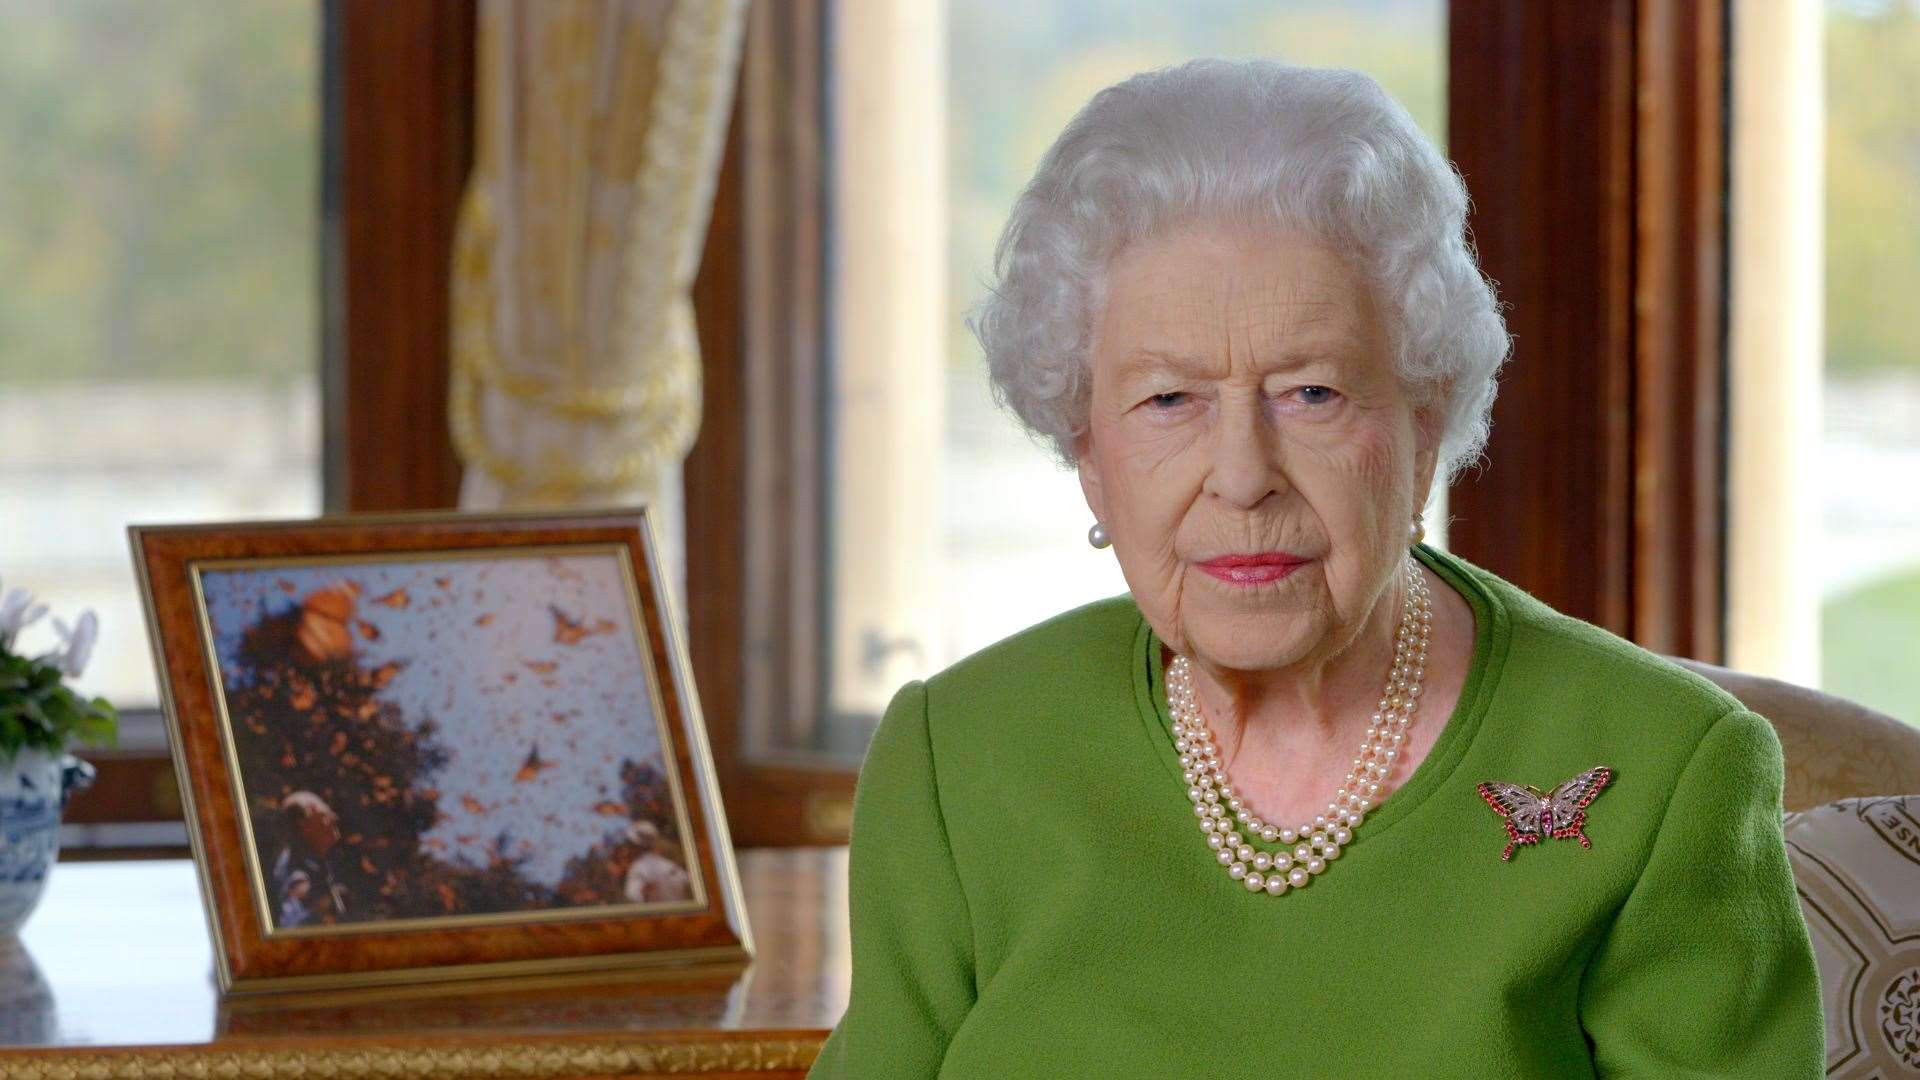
1287 742
1318 706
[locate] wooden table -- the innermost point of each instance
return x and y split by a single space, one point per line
113 977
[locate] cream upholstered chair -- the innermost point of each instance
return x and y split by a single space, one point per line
1853 837
1834 748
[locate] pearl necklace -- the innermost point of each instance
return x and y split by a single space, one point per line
1222 813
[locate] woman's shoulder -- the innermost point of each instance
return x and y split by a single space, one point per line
1562 672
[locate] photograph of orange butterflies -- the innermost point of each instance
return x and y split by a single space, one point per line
408 740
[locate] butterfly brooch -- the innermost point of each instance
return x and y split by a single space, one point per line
1531 815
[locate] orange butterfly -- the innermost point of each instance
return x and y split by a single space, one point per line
567 631
533 767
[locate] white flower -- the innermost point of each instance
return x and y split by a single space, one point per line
17 612
76 644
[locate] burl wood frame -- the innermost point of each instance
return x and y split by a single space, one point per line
254 956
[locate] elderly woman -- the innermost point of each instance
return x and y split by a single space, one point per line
1315 799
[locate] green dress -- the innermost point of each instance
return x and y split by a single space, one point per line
1031 896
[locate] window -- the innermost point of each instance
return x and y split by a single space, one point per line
159 339
1826 530
1870 413
159 327
943 528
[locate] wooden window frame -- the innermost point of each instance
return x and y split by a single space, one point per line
1592 137
399 89
755 481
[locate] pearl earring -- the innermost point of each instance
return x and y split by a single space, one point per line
1419 530
1098 537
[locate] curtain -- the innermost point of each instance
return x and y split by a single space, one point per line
576 373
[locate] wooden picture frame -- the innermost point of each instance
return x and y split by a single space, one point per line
420 747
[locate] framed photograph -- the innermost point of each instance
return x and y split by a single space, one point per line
422 747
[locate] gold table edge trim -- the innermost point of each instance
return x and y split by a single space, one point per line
479 1060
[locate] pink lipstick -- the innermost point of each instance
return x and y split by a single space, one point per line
1258 569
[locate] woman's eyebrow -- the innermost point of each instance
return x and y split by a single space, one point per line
1143 361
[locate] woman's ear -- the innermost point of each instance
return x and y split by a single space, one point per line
1089 473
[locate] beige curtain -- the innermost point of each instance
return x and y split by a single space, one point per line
576 373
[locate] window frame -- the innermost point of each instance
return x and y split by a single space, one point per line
1592 138
754 482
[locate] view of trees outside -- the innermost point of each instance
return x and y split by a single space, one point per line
159 336
1013 524
1869 472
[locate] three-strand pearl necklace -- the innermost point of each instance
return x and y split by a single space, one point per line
1313 845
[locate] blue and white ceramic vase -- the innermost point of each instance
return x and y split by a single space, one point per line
34 789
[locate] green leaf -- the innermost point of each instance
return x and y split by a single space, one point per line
38 710
32 711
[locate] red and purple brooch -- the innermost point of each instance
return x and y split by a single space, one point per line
1532 815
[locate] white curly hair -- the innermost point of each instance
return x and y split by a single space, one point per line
1319 150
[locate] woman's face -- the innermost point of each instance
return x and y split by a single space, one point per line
320 830
1250 449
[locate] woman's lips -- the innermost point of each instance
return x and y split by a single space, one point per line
1258 569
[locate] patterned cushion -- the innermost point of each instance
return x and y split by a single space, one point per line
1857 862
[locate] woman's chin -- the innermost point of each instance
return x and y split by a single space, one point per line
1252 640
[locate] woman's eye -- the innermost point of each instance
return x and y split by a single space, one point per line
1315 395
1167 400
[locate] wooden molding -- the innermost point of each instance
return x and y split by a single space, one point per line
400 125
755 480
1680 343
1591 139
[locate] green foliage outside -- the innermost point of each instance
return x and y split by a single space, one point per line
159 188
1870 637
1869 642
1873 187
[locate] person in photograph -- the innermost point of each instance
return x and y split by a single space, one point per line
305 890
1314 798
652 877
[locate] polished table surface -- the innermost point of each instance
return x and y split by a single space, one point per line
117 964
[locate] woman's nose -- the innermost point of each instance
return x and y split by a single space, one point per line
1245 467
